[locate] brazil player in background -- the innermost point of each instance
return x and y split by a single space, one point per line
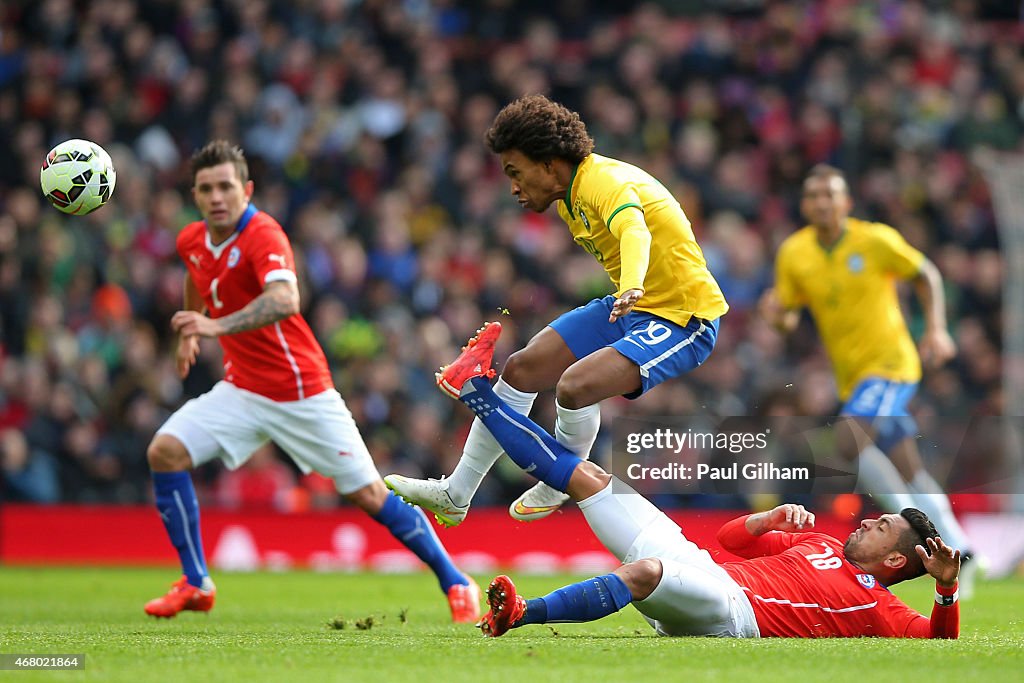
241 287
845 271
661 322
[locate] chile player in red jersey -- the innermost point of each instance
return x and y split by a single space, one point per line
240 287
794 582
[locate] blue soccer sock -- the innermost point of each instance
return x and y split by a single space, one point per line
179 510
529 446
584 601
410 526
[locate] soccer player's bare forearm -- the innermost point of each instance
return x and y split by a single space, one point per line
266 309
757 523
928 286
193 300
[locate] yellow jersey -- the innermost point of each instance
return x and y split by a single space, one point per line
850 290
636 229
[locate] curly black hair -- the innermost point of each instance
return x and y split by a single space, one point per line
921 528
541 129
217 152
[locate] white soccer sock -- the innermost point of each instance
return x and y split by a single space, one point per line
929 498
878 477
577 429
618 518
481 450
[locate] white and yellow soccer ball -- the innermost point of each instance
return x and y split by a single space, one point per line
77 177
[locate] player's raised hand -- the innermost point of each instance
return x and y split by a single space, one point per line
189 323
936 348
186 354
940 561
790 517
624 304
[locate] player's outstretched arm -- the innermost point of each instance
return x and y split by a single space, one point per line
279 300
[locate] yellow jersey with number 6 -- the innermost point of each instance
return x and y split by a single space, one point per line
636 229
850 290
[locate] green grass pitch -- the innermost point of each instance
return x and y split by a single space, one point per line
274 627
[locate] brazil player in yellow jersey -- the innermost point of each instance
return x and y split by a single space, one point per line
661 322
846 271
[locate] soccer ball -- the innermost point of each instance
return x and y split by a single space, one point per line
77 177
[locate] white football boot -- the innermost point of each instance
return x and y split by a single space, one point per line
537 503
429 494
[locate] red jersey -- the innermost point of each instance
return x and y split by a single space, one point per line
801 586
282 361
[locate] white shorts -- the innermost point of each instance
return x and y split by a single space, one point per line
318 432
695 597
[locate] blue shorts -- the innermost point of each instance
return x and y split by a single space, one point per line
887 401
660 348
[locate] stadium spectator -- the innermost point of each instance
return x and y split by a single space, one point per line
715 100
28 476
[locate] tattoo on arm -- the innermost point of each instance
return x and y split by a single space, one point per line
274 304
757 524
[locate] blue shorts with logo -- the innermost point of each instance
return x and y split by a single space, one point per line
659 347
886 401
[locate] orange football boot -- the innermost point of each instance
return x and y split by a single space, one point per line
464 601
474 361
182 596
507 607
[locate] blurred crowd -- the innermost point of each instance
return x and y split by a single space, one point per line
363 123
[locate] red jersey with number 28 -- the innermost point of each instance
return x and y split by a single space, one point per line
282 361
801 586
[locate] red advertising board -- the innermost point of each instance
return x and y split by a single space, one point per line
344 539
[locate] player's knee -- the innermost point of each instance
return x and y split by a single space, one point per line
167 454
370 499
519 371
573 390
641 577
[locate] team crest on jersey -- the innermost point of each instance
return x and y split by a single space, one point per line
234 256
866 580
855 263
